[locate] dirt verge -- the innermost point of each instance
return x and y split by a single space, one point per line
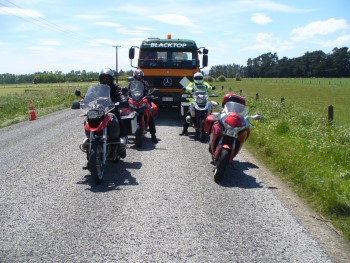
327 235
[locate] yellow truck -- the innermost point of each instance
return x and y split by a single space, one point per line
168 65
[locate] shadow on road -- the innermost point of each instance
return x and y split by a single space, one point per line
115 175
170 116
236 177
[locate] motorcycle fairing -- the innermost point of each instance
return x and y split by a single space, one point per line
154 110
234 120
139 104
101 126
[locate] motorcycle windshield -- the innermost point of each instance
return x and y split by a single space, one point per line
136 90
97 98
200 94
231 106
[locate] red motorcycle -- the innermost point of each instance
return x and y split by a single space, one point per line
96 106
228 130
136 116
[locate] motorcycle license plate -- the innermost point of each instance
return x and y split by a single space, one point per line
167 99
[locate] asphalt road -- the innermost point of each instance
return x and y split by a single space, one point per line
159 204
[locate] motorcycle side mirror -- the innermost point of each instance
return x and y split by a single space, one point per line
77 93
75 105
215 104
155 92
257 117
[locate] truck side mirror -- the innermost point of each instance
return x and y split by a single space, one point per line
205 51
131 53
205 61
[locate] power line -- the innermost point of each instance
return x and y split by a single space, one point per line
40 21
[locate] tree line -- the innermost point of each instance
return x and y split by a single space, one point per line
54 77
315 64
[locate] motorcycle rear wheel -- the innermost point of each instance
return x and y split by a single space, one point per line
221 165
96 166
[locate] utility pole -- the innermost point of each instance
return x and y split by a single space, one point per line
116 62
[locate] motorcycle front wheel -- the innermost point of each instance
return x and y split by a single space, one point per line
202 135
221 165
138 137
96 165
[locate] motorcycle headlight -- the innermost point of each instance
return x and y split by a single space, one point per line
201 99
138 106
95 114
231 131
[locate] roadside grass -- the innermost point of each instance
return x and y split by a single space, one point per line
314 95
296 141
48 98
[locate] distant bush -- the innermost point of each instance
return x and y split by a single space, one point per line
209 78
221 78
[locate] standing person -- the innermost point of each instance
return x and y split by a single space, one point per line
198 79
139 76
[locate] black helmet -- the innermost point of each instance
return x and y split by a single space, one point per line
106 76
138 74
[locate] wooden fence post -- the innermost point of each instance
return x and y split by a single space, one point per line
330 113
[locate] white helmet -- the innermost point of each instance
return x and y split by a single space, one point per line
198 78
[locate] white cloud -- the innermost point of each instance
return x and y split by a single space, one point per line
268 42
260 19
40 48
89 17
319 28
26 13
50 43
339 42
108 24
273 6
102 42
130 32
174 19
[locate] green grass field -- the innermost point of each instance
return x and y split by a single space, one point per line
295 139
313 95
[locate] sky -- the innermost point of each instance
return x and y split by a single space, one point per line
59 35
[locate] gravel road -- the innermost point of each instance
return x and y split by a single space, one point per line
159 204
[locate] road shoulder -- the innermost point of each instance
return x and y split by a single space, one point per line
325 233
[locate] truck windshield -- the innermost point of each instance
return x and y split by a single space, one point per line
168 59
